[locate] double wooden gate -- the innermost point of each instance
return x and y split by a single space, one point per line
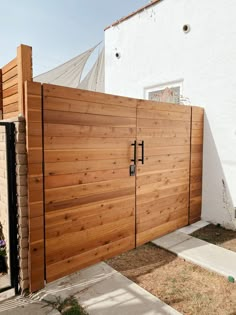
117 173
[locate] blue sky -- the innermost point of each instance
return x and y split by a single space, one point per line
57 29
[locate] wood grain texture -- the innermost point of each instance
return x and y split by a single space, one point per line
35 188
10 89
162 192
10 83
24 69
88 96
14 74
94 209
10 65
196 164
89 195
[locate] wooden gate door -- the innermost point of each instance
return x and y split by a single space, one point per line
163 136
89 193
84 205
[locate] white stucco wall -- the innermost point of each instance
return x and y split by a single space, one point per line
154 50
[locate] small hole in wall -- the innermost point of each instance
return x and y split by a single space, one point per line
186 28
117 55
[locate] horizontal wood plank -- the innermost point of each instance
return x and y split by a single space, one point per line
83 106
84 166
58 117
56 143
89 96
12 64
65 130
11 91
10 74
163 115
86 154
162 106
54 181
10 83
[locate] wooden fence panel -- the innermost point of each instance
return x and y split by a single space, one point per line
89 194
162 200
14 74
33 103
91 207
196 164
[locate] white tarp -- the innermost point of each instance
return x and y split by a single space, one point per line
69 73
94 80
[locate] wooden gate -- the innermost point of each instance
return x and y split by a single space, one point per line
163 178
89 195
95 205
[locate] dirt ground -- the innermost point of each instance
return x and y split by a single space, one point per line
218 236
186 287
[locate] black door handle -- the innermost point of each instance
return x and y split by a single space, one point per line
134 159
132 168
142 145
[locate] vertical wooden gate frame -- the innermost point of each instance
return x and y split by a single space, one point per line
87 202
34 146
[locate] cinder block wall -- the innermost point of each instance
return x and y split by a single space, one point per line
22 201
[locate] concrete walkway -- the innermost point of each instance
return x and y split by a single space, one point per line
99 289
206 255
25 306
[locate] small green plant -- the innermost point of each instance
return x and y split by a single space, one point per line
69 306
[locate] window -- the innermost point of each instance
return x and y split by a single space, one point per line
169 95
170 92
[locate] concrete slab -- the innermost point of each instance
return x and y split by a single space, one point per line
207 255
5 281
171 239
119 295
7 295
204 254
193 227
200 224
103 291
23 306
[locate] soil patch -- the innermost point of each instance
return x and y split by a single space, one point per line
186 287
218 236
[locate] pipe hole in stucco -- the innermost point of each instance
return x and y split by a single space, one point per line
186 28
117 55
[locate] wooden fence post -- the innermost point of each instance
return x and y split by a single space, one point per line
24 70
195 202
34 138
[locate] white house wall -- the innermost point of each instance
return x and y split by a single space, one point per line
153 50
